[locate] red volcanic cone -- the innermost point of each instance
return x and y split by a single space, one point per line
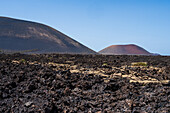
130 49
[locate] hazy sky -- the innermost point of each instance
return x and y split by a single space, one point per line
100 23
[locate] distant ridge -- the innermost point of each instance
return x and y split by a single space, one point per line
32 37
130 49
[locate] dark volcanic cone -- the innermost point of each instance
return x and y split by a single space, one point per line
130 49
19 35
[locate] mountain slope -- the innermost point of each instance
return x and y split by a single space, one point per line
130 49
20 35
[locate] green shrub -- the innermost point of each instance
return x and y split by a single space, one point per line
50 58
22 61
105 64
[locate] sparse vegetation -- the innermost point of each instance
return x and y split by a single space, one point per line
139 64
105 64
22 61
50 58
26 51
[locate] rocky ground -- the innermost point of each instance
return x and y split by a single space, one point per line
84 83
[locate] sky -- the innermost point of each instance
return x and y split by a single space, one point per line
100 23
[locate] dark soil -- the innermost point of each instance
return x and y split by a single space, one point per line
38 87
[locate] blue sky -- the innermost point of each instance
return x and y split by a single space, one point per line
101 23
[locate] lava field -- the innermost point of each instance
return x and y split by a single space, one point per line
63 83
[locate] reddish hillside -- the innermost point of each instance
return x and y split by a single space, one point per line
130 49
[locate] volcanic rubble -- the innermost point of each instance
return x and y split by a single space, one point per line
52 83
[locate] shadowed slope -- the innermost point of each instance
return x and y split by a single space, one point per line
130 49
19 35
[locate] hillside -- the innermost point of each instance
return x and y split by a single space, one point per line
130 49
20 35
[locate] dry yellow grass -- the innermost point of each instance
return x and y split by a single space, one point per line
139 63
102 72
